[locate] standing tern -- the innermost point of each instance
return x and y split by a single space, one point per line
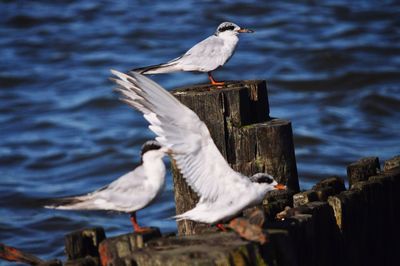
129 193
206 56
223 192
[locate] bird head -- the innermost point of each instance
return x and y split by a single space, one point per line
153 148
230 28
150 145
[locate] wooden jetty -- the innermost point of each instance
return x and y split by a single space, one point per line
326 225
329 225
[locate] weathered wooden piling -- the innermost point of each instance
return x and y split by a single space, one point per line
358 227
392 163
82 247
362 169
320 192
237 117
113 249
212 249
275 201
361 226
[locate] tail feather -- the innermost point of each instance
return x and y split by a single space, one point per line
143 70
179 217
63 203
189 215
168 67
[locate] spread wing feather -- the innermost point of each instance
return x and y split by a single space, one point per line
180 129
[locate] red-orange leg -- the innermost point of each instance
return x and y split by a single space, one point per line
222 227
134 222
136 227
212 80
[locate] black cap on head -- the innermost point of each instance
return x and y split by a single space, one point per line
226 26
262 178
150 145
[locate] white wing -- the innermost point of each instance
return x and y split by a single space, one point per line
181 130
206 55
128 193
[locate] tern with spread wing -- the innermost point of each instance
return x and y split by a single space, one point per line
223 192
129 193
206 56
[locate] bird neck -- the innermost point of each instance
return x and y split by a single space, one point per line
154 166
230 41
229 35
264 187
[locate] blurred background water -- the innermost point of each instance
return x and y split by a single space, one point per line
332 67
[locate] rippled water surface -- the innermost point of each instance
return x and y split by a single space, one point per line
332 67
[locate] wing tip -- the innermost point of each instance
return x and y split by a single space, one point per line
124 76
60 203
114 72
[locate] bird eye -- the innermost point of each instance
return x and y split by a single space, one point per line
225 28
269 180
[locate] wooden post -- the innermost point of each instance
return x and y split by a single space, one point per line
83 245
113 249
237 117
336 183
328 187
304 198
275 201
392 163
265 147
211 249
362 169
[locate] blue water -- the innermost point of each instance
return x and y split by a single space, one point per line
332 67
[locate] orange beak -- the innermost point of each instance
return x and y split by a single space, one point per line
243 30
280 187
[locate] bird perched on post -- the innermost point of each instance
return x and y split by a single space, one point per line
206 56
129 193
223 192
